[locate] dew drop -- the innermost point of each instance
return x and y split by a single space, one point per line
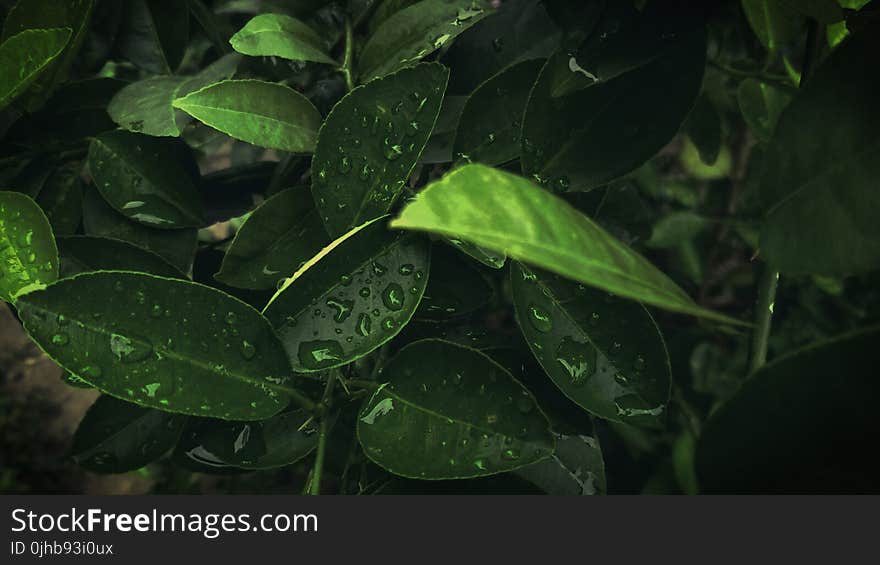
393 297
247 350
60 339
364 325
540 319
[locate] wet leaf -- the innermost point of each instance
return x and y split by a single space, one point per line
370 143
505 212
351 298
575 469
28 256
116 436
278 35
154 34
278 237
146 179
417 31
819 185
25 56
262 113
604 353
86 253
218 358
460 416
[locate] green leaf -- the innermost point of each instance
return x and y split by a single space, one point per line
604 353
86 253
264 114
703 127
417 31
146 179
803 423
456 287
276 442
491 121
488 257
594 117
28 256
25 56
162 343
773 21
761 105
178 247
505 212
61 198
116 436
351 298
460 416
575 469
154 34
277 35
146 106
675 229
819 184
278 237
370 143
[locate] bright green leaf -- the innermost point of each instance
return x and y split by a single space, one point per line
277 35
24 56
28 256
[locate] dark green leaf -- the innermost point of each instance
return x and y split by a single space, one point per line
25 56
154 34
417 31
146 179
86 253
262 113
28 256
61 199
460 416
819 184
773 21
352 297
575 469
502 211
370 143
116 436
761 105
604 353
277 35
218 357
456 287
704 129
278 237
801 424
675 229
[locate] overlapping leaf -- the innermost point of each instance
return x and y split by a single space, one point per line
279 35
28 256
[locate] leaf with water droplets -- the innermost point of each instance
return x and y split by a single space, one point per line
25 56
604 353
460 416
575 469
162 343
505 212
351 298
370 143
594 117
278 35
417 31
116 436
264 114
86 253
28 256
146 179
278 237
490 124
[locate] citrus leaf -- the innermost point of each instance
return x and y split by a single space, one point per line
456 287
460 416
370 143
28 256
61 198
264 114
417 31
508 213
116 436
86 253
604 353
277 35
351 298
575 469
218 357
154 34
25 56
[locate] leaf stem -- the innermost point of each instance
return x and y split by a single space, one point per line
323 432
763 316
347 68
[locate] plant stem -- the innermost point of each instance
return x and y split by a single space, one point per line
323 431
347 68
763 316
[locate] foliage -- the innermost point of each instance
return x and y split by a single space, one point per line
521 246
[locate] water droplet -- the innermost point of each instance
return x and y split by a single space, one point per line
247 350
156 311
639 364
388 324
480 464
364 325
342 308
344 165
540 319
60 339
578 360
230 318
319 353
562 184
130 349
498 44
393 297
392 151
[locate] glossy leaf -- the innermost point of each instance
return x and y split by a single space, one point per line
24 56
604 353
460 416
219 358
417 31
278 35
575 469
456 287
262 113
505 212
61 199
155 34
146 179
593 117
351 298
491 121
370 143
819 184
116 436
85 253
801 424
146 106
278 237
761 105
28 256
